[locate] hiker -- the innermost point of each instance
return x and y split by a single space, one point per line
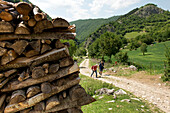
101 67
94 69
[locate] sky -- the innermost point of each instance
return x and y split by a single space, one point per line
72 10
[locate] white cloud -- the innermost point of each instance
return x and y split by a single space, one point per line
96 5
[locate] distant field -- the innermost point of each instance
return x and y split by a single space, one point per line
133 34
154 58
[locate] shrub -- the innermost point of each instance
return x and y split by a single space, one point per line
121 57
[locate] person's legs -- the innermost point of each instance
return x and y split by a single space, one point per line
96 73
92 73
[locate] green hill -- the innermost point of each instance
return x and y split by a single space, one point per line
88 26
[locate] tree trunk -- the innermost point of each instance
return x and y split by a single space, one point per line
23 8
53 68
40 106
38 72
45 48
33 90
46 87
17 96
66 62
22 29
8 57
40 97
59 22
19 46
51 102
29 82
42 25
6 27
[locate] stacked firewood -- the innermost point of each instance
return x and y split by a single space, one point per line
37 74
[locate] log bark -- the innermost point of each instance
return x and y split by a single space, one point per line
31 53
74 110
36 45
42 25
23 8
2 79
10 72
8 57
53 55
53 68
40 16
22 29
2 51
23 76
38 72
66 62
2 99
40 97
19 46
71 104
45 48
32 22
29 82
17 96
58 44
46 87
5 44
6 27
33 90
46 66
60 22
2 108
40 106
51 102
23 17
44 35
26 110
4 15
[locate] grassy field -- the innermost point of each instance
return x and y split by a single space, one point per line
154 58
101 105
133 34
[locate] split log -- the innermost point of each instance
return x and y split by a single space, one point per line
46 87
5 44
43 35
53 68
2 99
71 104
60 82
26 110
74 110
23 8
6 27
4 15
46 66
23 76
36 45
42 25
59 22
45 48
38 72
2 51
29 82
2 79
40 106
58 44
23 17
13 13
10 72
19 46
8 99
64 94
31 22
51 102
17 96
40 97
53 55
8 57
2 108
22 29
33 90
3 6
48 42
10 9
31 53
6 80
66 62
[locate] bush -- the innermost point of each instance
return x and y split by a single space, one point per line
121 57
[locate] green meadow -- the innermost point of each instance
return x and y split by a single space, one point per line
133 34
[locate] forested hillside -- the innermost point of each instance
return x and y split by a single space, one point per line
88 26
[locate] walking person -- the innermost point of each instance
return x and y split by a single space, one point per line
94 69
101 67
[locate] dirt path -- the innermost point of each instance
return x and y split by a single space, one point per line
158 96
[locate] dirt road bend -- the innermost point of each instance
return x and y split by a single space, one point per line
157 96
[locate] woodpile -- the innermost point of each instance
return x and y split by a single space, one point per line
37 74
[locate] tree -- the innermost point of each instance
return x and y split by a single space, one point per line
143 48
121 57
